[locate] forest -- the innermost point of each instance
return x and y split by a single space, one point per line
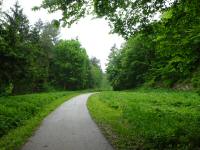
163 53
160 52
34 59
162 39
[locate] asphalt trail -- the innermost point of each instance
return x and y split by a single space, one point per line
69 127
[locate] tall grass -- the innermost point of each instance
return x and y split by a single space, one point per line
148 119
20 115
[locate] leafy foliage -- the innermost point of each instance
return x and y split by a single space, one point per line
33 59
164 53
70 65
96 74
161 52
124 16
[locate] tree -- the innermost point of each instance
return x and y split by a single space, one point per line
96 74
113 68
70 65
25 52
33 59
125 17
16 54
1 2
42 37
161 54
35 32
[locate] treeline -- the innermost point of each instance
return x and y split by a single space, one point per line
164 53
33 59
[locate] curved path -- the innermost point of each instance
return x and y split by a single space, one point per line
69 127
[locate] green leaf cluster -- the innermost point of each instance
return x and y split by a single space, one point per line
34 59
162 54
125 17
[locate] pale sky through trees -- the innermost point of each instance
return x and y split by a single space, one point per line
92 33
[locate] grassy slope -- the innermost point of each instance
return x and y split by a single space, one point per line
152 119
20 115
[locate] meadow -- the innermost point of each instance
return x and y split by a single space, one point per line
20 115
148 119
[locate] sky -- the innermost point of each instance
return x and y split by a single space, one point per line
92 33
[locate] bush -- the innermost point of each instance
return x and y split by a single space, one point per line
6 90
15 110
196 81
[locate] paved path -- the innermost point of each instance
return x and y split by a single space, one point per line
69 127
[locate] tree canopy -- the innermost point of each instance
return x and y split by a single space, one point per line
125 17
34 59
162 54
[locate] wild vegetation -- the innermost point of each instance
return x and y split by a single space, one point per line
148 119
20 115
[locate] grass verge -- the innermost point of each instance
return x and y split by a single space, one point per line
21 115
148 119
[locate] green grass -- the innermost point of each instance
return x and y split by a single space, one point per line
20 115
148 119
